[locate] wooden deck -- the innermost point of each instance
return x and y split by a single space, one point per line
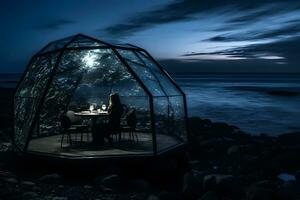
52 145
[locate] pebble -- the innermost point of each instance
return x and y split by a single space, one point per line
88 187
12 180
29 195
60 198
28 184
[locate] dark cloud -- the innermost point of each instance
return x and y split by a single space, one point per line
238 52
185 10
257 53
287 48
257 13
219 38
54 24
291 28
247 52
254 63
226 38
223 66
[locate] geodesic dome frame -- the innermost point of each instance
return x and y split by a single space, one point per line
79 70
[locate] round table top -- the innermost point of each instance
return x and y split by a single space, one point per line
91 114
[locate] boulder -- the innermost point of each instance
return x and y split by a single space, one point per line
194 164
6 174
137 196
28 184
59 198
139 185
193 184
260 193
196 125
164 195
297 175
153 197
88 187
36 189
218 144
210 195
220 129
290 191
206 123
112 181
50 179
289 138
209 182
285 177
234 149
29 195
11 180
5 147
289 160
267 184
106 189
226 185
61 186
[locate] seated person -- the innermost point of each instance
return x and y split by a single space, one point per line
115 111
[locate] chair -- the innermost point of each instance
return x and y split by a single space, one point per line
130 127
114 122
80 128
66 130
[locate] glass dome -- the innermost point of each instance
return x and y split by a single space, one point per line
75 77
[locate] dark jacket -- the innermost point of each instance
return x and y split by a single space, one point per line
114 117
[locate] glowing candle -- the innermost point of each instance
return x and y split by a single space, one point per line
91 108
103 107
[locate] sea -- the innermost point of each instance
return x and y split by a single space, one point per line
256 103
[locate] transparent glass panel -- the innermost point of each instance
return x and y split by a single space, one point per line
142 108
142 71
161 110
37 76
148 62
150 71
58 44
168 87
56 101
148 78
28 96
142 52
130 56
82 41
65 81
166 118
86 78
143 130
177 117
128 87
125 45
25 109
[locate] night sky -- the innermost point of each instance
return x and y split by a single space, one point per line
185 35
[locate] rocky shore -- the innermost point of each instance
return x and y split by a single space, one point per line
221 162
236 165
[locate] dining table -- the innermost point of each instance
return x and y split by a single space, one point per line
94 115
91 113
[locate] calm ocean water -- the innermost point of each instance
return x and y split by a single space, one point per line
241 100
245 100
